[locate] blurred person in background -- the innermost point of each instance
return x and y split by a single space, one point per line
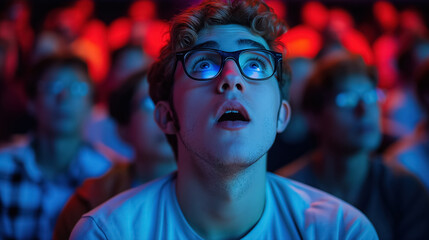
132 109
340 102
101 129
401 110
38 175
411 151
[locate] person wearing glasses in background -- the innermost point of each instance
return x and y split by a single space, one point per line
39 175
340 102
217 89
132 109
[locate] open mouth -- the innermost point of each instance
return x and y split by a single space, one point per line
233 115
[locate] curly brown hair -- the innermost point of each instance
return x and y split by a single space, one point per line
253 14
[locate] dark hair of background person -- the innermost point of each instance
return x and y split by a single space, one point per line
106 87
121 100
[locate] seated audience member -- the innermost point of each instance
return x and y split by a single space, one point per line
412 151
219 97
38 176
340 100
401 110
132 109
101 128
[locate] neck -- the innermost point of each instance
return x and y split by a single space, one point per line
54 154
219 205
343 173
148 168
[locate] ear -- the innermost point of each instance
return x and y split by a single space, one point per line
164 117
284 116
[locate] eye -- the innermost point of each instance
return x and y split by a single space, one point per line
79 88
346 99
370 97
202 65
255 64
53 87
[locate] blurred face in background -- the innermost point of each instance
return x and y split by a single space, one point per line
351 118
142 131
128 62
63 101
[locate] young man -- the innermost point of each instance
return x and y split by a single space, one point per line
132 109
217 92
340 101
38 176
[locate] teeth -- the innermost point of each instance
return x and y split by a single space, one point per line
232 111
232 115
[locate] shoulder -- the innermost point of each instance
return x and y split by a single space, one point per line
16 147
15 154
139 204
309 197
98 189
319 213
408 147
92 162
398 181
132 198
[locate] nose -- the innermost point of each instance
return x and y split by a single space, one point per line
230 78
63 94
362 109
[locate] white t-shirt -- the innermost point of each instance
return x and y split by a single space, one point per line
292 211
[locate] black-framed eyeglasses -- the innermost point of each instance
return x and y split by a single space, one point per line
205 64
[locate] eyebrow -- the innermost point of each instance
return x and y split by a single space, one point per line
208 44
246 42
250 43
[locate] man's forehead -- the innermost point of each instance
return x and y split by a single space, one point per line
229 37
64 72
357 82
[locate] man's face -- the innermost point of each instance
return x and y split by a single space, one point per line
145 136
63 101
351 119
229 120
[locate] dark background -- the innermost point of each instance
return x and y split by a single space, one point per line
108 10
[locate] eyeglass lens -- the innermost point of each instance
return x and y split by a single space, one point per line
76 88
206 64
351 99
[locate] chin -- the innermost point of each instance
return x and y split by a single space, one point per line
235 160
65 130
